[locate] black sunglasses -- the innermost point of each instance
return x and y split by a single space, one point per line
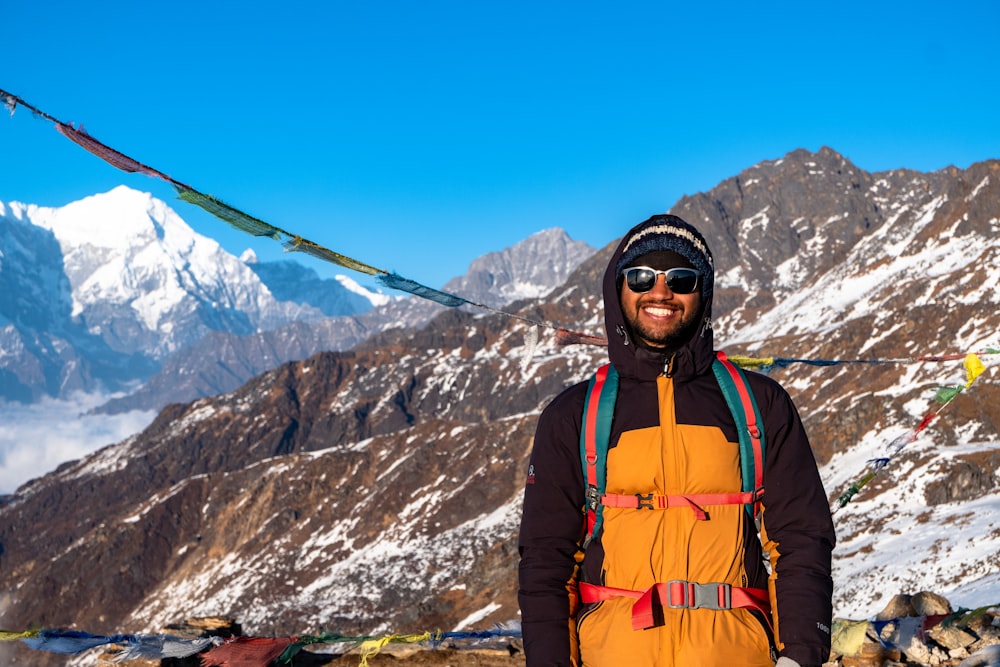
679 281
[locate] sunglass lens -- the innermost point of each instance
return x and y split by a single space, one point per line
682 281
640 279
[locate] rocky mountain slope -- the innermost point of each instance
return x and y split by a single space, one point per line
377 489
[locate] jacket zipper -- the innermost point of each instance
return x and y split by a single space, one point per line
668 366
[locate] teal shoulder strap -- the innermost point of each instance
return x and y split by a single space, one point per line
598 411
749 425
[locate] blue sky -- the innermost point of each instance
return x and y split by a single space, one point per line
416 136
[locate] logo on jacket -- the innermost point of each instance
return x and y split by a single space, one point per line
531 474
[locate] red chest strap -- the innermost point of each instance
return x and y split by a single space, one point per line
695 501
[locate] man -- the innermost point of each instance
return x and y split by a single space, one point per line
673 435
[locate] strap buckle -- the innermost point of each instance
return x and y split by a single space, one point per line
691 595
592 498
644 501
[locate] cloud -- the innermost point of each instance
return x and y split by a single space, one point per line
37 438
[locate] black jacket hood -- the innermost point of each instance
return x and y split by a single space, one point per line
630 359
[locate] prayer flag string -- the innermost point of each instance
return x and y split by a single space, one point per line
848 637
251 225
765 364
974 367
218 652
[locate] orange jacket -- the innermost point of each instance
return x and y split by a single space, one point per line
642 548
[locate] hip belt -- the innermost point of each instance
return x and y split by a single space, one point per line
678 594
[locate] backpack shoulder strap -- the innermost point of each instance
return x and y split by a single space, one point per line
749 425
595 433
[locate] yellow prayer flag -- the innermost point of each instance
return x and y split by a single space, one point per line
372 647
974 368
751 362
848 636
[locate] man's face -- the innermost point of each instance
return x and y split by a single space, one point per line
660 318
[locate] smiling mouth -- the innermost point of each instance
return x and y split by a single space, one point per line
659 311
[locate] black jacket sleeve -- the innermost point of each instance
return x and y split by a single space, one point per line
797 529
551 527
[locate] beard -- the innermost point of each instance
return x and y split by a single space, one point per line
674 339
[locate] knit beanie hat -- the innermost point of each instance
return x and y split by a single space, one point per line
668 232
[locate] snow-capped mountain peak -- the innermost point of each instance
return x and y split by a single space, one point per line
144 281
97 293
116 218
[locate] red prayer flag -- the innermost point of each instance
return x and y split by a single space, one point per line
247 652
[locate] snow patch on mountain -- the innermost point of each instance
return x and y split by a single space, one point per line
375 298
844 293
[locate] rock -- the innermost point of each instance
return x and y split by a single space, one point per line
930 604
951 637
921 630
900 606
205 626
987 657
872 655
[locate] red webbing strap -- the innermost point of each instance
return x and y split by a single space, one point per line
680 595
751 416
590 429
695 501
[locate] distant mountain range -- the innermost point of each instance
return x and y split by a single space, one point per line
117 289
378 488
